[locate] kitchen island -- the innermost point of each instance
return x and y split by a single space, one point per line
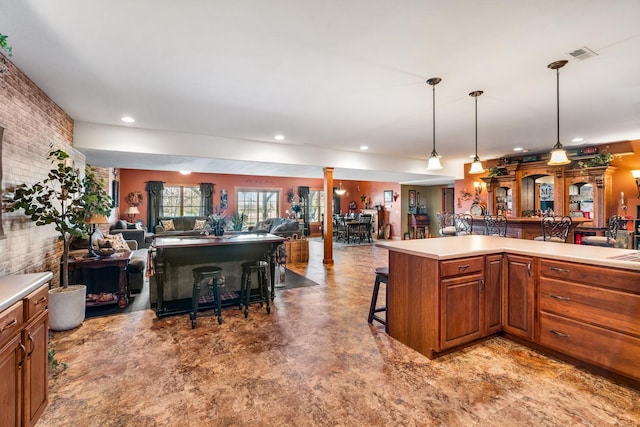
579 301
175 257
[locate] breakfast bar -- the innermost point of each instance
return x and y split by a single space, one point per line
175 258
578 301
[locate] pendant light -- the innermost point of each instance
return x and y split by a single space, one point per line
476 166
340 190
434 159
558 154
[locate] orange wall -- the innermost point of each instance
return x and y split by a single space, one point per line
134 180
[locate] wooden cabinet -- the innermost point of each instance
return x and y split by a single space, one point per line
418 226
492 295
24 359
519 290
589 317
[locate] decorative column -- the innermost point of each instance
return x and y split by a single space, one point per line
327 230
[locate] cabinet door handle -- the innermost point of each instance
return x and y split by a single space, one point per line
558 333
560 297
463 266
32 345
559 270
24 352
529 269
482 284
41 300
8 325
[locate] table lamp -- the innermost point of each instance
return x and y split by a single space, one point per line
131 212
93 221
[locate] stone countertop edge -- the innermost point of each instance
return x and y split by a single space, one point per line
15 287
444 248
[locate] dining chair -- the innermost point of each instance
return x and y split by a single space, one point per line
446 224
464 224
364 230
555 229
610 234
495 225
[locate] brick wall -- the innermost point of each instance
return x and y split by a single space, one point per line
31 121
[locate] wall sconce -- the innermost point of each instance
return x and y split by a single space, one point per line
478 187
636 175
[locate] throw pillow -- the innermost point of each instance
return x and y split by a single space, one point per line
139 226
199 225
167 224
120 225
116 240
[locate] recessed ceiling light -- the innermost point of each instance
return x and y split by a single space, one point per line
185 172
518 149
577 139
279 137
364 147
128 119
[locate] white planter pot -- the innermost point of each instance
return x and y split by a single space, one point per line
66 307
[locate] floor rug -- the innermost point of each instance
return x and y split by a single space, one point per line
294 280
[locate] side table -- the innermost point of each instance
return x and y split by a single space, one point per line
120 260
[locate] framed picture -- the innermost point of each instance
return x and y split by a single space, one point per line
412 198
388 196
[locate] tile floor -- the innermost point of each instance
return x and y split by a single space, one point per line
314 361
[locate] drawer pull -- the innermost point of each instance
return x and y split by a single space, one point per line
41 300
560 334
8 325
561 298
463 266
559 270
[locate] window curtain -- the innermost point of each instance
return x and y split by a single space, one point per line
206 198
154 203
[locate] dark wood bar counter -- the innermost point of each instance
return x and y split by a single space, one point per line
175 258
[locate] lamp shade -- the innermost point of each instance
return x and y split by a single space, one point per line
476 166
340 190
97 219
132 210
434 162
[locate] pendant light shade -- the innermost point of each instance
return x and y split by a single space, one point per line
476 166
340 190
558 154
434 159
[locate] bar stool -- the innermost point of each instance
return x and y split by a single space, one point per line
259 268
382 276
211 276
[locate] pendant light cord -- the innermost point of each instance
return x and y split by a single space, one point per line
434 118
476 158
558 102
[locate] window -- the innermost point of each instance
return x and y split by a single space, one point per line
316 205
258 204
181 200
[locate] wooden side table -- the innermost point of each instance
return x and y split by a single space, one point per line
120 260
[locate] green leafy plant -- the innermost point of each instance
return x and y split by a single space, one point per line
600 159
237 220
8 49
497 171
63 199
54 364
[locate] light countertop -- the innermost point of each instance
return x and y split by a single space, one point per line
14 287
443 248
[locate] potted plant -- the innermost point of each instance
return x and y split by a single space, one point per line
67 201
5 50
237 220
601 159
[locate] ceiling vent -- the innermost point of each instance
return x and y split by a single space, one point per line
583 53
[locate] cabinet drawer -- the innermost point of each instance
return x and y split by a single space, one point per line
11 321
602 307
611 350
461 266
36 302
597 276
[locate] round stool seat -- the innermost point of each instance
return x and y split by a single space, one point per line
383 271
206 270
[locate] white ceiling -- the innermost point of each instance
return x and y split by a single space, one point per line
331 76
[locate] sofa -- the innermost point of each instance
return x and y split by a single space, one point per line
182 226
132 231
101 279
283 227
